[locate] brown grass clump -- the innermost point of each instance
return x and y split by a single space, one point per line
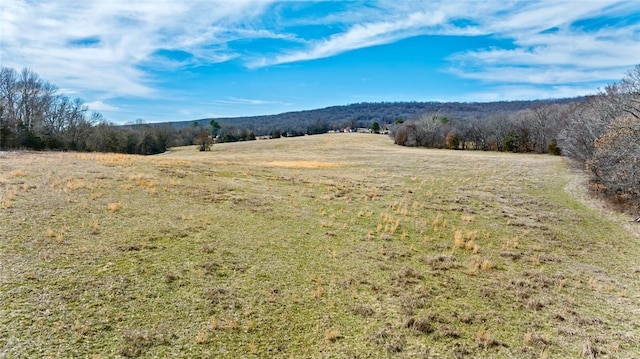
394 226
486 265
127 186
249 326
202 337
136 343
441 262
484 339
472 246
534 304
387 224
114 207
7 200
470 235
439 222
95 225
18 173
363 310
317 292
395 345
74 184
510 244
466 241
589 349
477 264
466 218
534 339
231 324
458 240
332 335
58 235
6 203
419 325
213 323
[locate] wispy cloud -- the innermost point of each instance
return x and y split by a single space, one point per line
106 46
246 101
101 106
549 47
526 92
383 25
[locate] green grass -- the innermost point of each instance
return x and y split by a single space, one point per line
322 246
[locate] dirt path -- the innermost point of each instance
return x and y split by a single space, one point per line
577 187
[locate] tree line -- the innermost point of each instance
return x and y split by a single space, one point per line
601 132
533 129
34 115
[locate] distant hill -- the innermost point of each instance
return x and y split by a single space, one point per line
365 114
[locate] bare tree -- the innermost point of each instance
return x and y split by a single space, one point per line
604 133
8 106
589 121
499 127
615 163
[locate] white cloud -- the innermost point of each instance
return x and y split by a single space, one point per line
246 101
529 92
541 75
385 25
51 39
100 106
548 46
535 16
566 54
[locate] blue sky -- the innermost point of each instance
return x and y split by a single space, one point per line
171 60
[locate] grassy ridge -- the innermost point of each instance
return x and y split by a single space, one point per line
323 246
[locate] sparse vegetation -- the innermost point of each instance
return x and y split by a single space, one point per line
345 246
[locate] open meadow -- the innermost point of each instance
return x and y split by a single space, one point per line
337 245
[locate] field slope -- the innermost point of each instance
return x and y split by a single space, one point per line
338 245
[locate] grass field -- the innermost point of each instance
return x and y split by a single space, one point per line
333 246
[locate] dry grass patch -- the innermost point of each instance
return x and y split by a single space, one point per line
6 203
477 264
467 218
485 339
332 335
114 206
18 173
302 164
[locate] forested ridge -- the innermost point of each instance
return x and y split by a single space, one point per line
363 115
601 131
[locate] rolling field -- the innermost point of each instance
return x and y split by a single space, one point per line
336 246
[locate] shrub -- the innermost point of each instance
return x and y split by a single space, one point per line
616 155
554 149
